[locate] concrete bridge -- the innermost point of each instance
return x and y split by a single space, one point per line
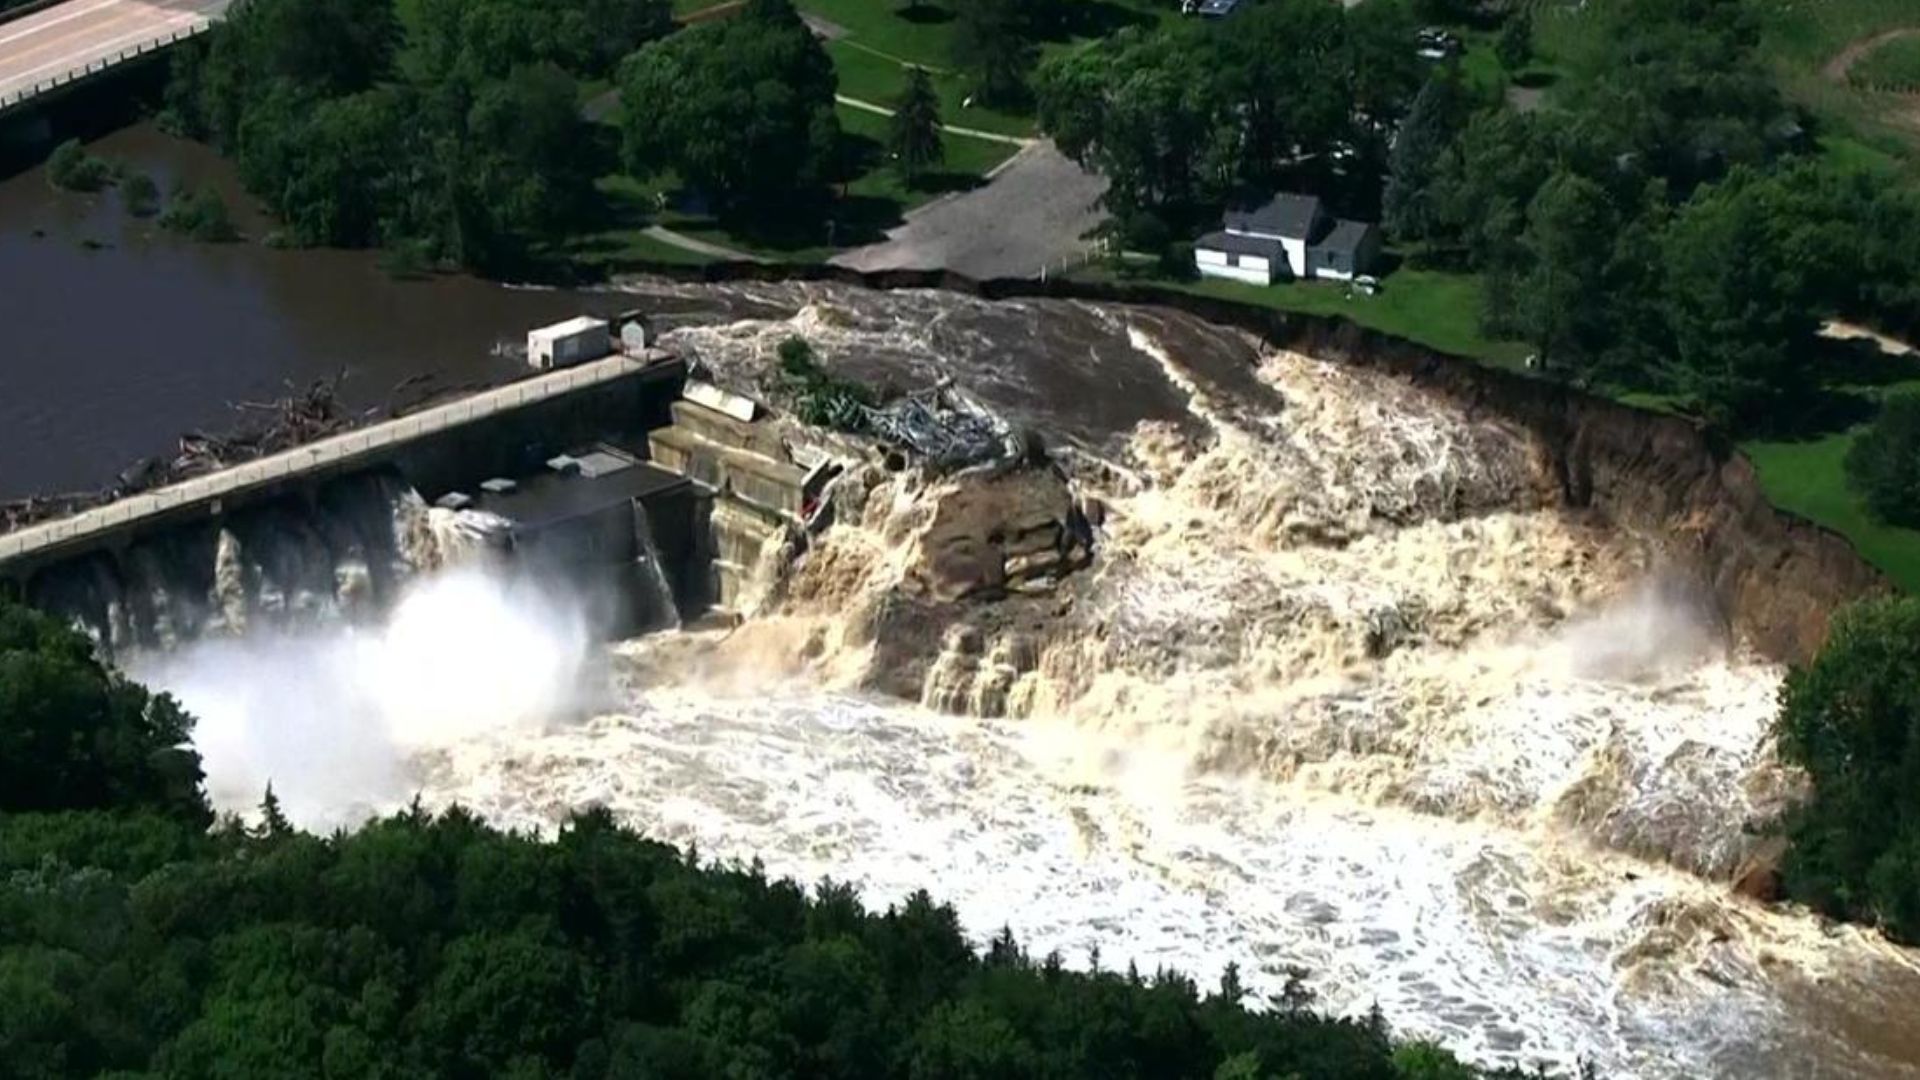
437 449
56 46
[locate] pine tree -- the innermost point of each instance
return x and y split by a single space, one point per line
273 820
1414 165
1515 45
915 136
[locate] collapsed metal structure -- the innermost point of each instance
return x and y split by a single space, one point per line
946 427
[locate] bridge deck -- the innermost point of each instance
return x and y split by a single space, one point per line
339 451
71 40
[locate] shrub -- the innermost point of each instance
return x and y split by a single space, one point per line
819 397
1883 465
201 214
71 168
140 195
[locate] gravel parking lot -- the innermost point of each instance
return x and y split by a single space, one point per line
1034 213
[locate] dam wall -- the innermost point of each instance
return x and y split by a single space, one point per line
1776 577
506 431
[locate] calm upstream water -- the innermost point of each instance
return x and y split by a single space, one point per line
119 336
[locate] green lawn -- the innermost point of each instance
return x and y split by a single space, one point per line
880 40
1894 66
873 78
872 202
1807 478
1807 33
1435 308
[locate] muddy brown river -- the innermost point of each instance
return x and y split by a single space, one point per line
1511 832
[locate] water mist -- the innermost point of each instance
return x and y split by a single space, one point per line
331 716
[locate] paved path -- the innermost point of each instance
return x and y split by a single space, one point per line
697 245
1835 70
1841 330
1034 214
951 129
68 38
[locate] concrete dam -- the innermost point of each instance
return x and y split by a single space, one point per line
600 479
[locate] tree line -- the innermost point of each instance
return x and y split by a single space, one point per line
136 941
1184 118
458 135
1662 222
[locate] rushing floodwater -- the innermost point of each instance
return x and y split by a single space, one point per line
1509 828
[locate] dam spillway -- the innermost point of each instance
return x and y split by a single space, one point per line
554 469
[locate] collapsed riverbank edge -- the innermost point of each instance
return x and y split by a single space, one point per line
1775 578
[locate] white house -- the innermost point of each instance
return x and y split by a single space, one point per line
1290 236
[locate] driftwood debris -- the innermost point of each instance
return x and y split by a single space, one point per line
266 427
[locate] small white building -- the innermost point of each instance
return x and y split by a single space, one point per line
1289 236
564 344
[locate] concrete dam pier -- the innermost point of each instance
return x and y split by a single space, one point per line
597 478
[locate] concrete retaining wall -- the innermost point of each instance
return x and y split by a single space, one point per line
504 431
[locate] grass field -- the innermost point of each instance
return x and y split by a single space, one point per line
1807 478
1807 33
872 77
1437 309
1892 66
883 37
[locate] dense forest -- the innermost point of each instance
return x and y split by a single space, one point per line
447 128
137 941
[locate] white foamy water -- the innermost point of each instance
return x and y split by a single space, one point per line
331 717
1343 690
1512 947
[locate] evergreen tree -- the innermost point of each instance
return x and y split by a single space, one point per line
1412 202
914 135
1515 45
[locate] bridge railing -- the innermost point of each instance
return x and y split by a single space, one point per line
330 451
95 66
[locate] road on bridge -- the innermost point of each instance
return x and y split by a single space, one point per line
67 37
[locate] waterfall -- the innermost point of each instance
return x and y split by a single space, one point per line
284 565
653 594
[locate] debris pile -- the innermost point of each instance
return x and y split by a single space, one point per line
946 427
267 427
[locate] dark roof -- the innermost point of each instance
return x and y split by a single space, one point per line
1345 236
1241 245
1291 216
546 498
